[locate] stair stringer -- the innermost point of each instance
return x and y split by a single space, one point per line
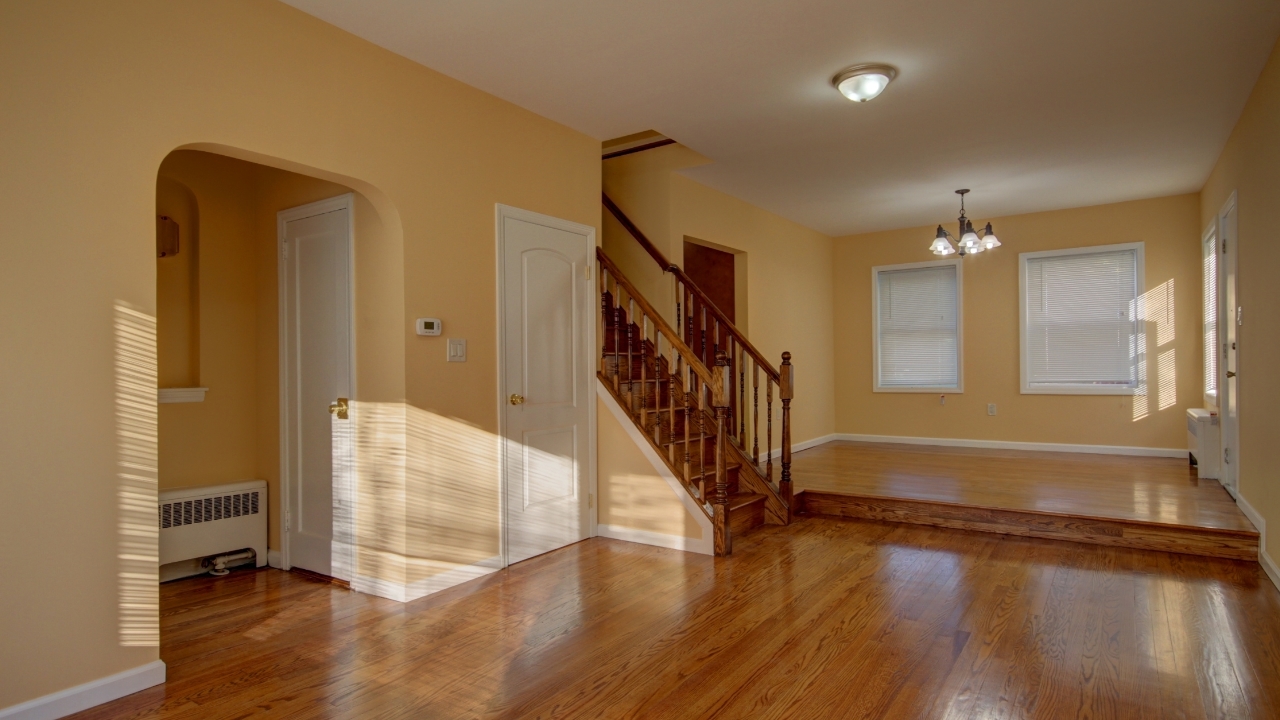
703 545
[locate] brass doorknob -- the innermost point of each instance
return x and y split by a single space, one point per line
1230 374
517 399
339 408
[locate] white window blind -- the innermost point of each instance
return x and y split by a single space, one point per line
1211 317
917 327
1081 320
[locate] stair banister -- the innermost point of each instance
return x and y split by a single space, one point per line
720 400
694 327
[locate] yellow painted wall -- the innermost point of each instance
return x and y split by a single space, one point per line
631 494
1168 227
96 96
789 284
1250 167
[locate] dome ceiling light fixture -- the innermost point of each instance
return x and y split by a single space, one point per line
864 82
970 242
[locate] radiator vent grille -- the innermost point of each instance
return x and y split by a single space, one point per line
188 512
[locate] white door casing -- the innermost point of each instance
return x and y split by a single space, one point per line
546 333
317 367
1229 320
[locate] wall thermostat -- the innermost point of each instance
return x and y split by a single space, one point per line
429 326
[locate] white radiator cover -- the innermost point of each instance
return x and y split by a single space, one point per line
213 520
1204 441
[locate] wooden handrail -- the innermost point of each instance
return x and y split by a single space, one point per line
649 247
690 357
667 266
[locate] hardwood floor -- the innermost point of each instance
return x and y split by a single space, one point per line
821 619
1136 502
1146 489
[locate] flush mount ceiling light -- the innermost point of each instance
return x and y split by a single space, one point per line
861 83
970 242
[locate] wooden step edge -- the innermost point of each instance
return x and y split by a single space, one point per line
744 499
1116 532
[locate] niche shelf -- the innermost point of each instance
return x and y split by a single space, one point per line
182 395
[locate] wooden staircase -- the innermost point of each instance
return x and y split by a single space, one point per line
696 416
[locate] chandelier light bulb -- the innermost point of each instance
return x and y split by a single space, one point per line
989 239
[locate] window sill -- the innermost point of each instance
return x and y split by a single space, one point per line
1074 390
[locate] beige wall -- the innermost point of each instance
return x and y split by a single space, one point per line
1250 167
96 96
1168 227
631 493
788 284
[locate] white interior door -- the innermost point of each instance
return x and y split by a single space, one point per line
315 255
547 425
1229 321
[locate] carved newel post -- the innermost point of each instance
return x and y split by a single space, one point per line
786 389
720 401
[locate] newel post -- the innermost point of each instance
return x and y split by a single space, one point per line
720 401
786 388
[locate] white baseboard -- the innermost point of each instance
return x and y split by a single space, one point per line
401 592
1268 565
705 544
647 537
275 559
815 442
1011 445
82 697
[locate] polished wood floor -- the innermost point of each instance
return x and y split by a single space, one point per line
821 619
1155 490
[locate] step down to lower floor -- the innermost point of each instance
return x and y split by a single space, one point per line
746 512
1184 539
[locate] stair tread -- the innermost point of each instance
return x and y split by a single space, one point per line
743 499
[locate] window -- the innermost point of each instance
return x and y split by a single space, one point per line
1210 250
917 333
1081 325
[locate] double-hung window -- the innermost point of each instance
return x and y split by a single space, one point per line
917 327
1081 320
1210 268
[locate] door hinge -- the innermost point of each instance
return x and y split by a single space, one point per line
1224 246
586 271
285 245
288 521
1226 455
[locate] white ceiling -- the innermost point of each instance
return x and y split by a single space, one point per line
1034 104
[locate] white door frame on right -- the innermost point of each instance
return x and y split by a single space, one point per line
1229 321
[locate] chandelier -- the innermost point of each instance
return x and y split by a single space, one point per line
970 242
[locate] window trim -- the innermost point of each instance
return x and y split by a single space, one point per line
1141 281
875 329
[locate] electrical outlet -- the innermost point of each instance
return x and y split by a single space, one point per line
991 408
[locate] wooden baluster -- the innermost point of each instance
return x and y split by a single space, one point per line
755 412
688 420
702 436
644 367
786 386
768 424
723 542
673 372
631 386
706 359
617 336
742 397
604 317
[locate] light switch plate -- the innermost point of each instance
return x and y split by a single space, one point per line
457 350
